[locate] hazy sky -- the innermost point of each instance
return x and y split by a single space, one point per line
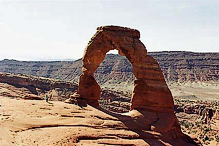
60 29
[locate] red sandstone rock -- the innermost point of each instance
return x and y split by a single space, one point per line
152 101
34 82
150 89
35 88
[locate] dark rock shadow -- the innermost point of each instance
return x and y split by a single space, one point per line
81 103
32 89
50 102
150 137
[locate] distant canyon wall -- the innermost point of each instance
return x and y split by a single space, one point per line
177 66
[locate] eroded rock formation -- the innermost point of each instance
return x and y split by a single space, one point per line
34 82
150 89
30 87
152 101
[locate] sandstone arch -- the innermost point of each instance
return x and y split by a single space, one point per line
150 89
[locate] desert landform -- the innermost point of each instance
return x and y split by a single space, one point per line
138 98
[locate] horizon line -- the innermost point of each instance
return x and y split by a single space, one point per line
51 60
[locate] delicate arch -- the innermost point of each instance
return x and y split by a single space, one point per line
150 89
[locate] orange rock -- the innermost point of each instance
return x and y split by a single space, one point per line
152 101
150 89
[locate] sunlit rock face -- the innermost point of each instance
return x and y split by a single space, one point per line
150 89
152 101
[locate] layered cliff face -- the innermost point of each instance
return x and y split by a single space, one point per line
63 70
37 82
188 66
177 67
30 87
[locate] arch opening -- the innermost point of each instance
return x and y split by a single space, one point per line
116 79
114 51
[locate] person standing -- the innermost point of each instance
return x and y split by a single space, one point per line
47 98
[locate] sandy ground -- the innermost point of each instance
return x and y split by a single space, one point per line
207 91
31 122
37 123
